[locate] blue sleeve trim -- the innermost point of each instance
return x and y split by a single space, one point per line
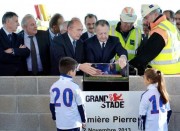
82 113
169 116
52 109
142 122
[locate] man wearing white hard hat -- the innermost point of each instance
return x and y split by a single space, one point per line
129 36
162 48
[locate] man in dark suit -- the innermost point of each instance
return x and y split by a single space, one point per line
69 44
102 48
89 21
54 26
38 63
12 53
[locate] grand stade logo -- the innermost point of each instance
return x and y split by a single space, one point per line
113 100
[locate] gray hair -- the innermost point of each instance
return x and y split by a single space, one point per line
25 19
102 23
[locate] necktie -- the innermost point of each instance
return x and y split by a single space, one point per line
91 35
33 56
103 47
74 46
10 38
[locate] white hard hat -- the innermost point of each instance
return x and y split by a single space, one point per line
128 15
146 9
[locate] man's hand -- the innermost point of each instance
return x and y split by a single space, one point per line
87 68
22 46
83 125
122 61
9 51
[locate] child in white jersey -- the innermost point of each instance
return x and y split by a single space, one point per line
66 101
154 107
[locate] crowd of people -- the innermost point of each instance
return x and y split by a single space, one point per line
36 52
66 49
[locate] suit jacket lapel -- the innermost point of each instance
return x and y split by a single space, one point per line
108 44
106 50
21 37
8 44
38 38
13 41
78 44
69 44
98 48
87 36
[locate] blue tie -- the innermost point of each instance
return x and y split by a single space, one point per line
10 37
74 46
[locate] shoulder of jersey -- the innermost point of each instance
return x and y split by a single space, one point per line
146 93
55 83
75 84
149 92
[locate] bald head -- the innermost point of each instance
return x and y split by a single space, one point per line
75 29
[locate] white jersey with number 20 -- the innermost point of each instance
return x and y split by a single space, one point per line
66 95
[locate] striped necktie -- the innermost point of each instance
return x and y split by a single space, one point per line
33 56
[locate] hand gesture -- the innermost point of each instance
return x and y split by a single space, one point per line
122 61
83 125
9 51
87 68
22 46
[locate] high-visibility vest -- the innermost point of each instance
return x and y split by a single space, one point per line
178 34
131 44
168 60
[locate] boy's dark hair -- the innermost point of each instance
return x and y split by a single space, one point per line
8 15
67 64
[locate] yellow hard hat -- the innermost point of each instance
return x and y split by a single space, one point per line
147 8
128 15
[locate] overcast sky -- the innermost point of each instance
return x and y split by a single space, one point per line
104 9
